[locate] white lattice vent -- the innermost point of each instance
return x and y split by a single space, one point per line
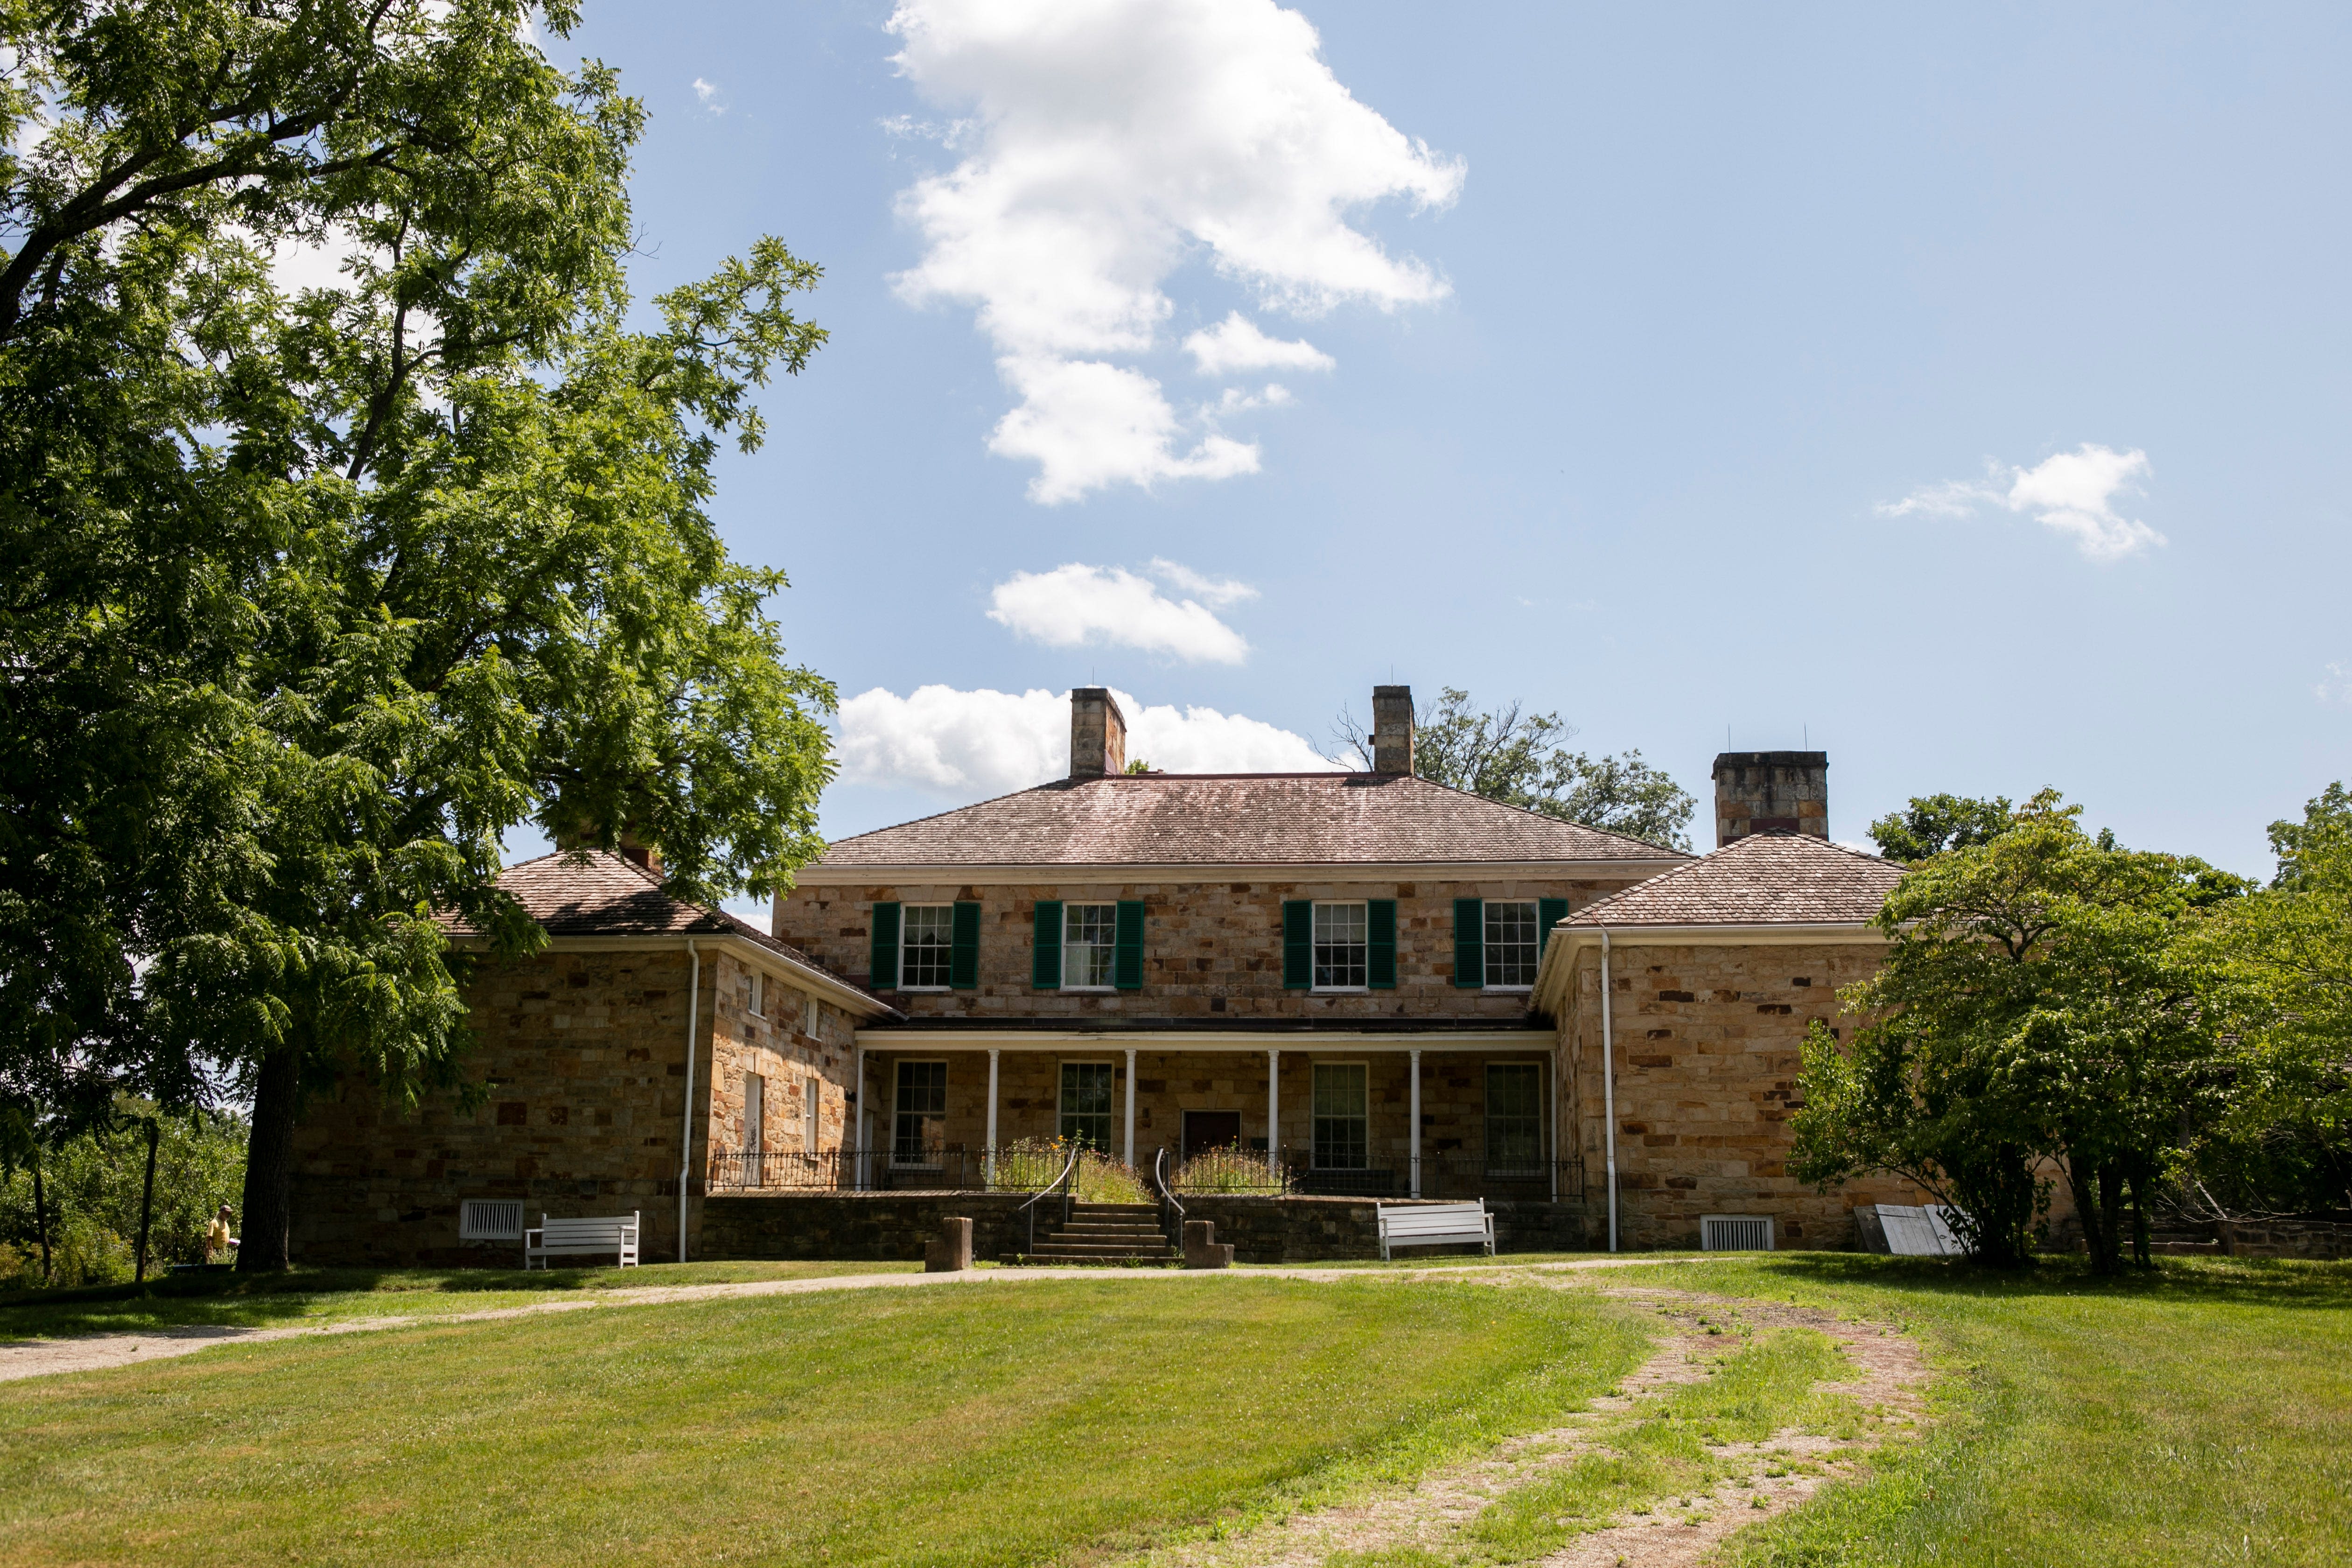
1736 1232
489 1219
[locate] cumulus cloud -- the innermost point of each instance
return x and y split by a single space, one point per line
2074 492
1217 591
988 742
1108 143
1077 604
1236 343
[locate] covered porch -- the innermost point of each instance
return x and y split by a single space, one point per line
1450 1114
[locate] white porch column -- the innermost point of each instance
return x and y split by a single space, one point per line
1274 1115
860 1113
1130 1155
1551 1119
990 1158
1415 1054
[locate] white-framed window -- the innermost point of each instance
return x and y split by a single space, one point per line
1342 1115
1339 946
926 942
1512 944
1089 946
758 1001
809 1016
1087 1097
1514 1117
755 1112
919 1122
812 1101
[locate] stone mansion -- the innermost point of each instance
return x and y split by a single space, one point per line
1377 987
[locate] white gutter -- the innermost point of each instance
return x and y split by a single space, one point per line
1608 1089
686 1138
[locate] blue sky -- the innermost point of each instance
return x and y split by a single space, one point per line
1693 372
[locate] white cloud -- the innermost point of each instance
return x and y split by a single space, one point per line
1108 143
1217 591
2335 688
1089 424
2074 492
707 94
1235 343
990 743
1076 605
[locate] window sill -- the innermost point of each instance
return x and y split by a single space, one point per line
1510 990
1089 990
925 990
1340 989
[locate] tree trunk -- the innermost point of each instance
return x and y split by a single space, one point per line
41 1215
270 1167
2106 1253
147 1203
2085 1186
2141 1255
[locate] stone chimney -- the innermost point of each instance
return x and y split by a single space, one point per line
1392 729
1771 792
1097 733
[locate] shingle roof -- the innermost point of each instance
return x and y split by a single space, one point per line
1234 819
597 892
1766 879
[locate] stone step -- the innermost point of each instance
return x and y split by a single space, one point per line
1044 1258
1101 1243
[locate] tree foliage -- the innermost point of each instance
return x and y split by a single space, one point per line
1934 823
2043 999
1522 760
317 584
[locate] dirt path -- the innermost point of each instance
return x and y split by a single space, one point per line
97 1352
1888 1375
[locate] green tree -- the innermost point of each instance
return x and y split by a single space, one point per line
1932 823
2282 1141
2041 998
1522 760
312 593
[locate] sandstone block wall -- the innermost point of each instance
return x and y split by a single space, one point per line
1707 1049
1211 952
894 1226
580 1062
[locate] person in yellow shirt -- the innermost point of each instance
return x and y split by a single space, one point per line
219 1244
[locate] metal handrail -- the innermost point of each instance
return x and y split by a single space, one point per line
1062 1182
1171 1207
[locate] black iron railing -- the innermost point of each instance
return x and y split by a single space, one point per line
1032 1167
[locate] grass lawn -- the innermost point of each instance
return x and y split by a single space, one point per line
2200 1417
308 1297
960 1425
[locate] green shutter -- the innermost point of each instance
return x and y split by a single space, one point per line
1380 943
1045 961
964 958
1550 912
883 973
1297 943
1469 944
1127 972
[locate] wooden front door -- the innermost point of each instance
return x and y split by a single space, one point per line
1210 1129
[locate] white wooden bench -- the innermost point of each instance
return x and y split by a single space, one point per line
1437 1225
553 1237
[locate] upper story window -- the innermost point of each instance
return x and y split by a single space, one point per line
1340 947
1513 945
926 946
758 1001
1089 946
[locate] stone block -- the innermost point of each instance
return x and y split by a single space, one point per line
1202 1247
949 1252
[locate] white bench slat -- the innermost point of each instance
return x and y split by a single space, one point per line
573 1237
1437 1225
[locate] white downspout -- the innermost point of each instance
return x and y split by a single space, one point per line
1414 1053
989 1170
685 1136
1274 1117
1130 1155
1608 1089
